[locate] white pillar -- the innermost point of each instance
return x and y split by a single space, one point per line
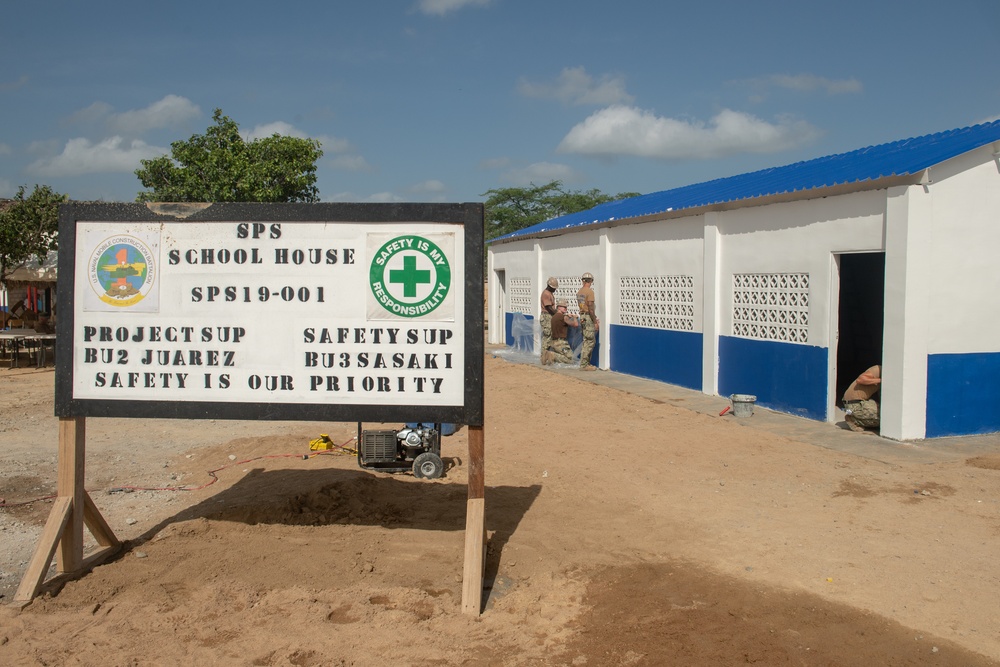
909 215
711 298
604 266
538 284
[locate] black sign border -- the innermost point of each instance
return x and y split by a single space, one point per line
470 215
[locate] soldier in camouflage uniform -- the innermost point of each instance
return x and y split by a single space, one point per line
588 321
560 351
548 302
861 409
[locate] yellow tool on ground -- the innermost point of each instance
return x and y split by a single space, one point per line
322 443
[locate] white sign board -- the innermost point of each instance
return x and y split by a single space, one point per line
269 311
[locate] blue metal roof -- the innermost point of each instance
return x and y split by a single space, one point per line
907 157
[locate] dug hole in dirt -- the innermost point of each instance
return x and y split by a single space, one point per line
622 531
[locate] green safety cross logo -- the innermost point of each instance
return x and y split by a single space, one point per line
410 276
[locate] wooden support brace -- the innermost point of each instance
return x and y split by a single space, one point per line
73 507
39 564
98 527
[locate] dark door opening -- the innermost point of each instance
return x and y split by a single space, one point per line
861 316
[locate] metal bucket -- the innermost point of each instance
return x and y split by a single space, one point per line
743 404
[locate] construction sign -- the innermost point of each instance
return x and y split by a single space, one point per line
340 312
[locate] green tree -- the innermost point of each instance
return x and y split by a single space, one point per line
29 227
219 166
511 209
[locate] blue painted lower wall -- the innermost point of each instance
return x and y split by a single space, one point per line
963 394
673 357
783 376
963 390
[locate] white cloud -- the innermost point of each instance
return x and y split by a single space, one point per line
349 163
270 129
172 110
494 163
43 147
540 173
431 186
574 86
807 83
810 82
344 157
7 86
621 130
98 111
80 156
442 7
384 198
334 144
329 143
345 195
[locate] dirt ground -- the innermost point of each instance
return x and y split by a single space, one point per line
622 531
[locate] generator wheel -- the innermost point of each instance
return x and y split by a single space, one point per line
428 466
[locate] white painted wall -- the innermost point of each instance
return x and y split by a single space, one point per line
661 248
963 272
516 260
571 255
798 237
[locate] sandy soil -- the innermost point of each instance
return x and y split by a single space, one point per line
622 532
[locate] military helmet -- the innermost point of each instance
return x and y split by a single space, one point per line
553 283
561 303
588 277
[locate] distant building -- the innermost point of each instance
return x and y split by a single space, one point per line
786 283
30 289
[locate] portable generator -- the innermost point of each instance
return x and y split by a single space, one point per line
416 448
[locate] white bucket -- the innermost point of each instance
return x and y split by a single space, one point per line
743 404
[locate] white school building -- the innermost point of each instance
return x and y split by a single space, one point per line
786 283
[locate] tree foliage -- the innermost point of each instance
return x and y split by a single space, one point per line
29 228
511 209
219 166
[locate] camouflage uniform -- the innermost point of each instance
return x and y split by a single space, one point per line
548 303
863 414
585 300
589 339
862 410
559 350
546 322
562 353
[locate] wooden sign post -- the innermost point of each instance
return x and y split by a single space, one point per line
318 312
475 526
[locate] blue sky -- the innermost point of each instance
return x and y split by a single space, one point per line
442 100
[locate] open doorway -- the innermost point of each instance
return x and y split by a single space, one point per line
861 315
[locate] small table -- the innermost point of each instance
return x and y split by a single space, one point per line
16 338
